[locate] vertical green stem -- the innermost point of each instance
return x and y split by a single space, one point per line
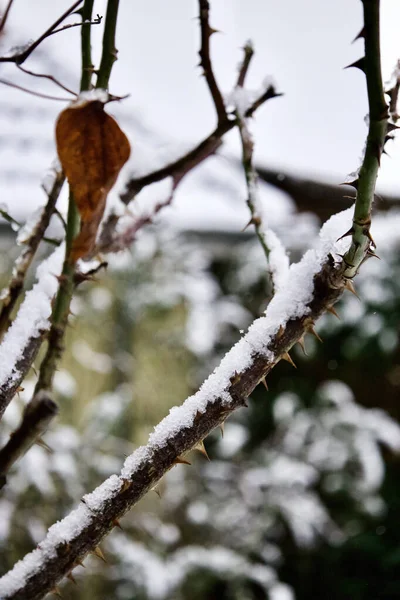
66 289
109 54
378 119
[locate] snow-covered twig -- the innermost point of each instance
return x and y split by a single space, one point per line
23 339
11 293
278 261
312 286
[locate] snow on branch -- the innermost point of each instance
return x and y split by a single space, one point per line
34 232
275 253
23 339
313 285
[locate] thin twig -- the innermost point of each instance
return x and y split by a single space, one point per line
35 420
205 60
95 21
5 15
248 55
32 92
20 57
247 161
109 51
50 77
378 126
14 288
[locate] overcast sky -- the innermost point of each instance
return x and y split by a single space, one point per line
317 127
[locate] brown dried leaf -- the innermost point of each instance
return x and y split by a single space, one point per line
92 149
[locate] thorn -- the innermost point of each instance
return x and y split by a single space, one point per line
360 35
156 491
353 184
302 345
179 460
222 427
388 138
311 330
349 232
332 310
72 578
197 416
40 442
116 523
235 378
99 553
280 333
56 591
288 359
349 285
34 370
265 384
126 484
202 449
372 254
391 127
253 221
211 31
358 64
369 236
80 564
20 389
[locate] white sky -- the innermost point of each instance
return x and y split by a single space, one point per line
317 127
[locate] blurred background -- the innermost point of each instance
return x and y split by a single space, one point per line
301 496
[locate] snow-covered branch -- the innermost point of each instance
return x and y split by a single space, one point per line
312 287
23 339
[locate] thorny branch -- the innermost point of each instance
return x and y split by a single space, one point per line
127 491
370 64
180 167
206 32
37 416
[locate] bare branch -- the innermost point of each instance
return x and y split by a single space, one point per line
205 60
50 77
95 21
179 168
32 92
35 420
5 15
84 528
20 57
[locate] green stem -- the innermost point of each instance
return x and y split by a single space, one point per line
66 289
378 118
109 54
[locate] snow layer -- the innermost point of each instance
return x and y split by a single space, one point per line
32 317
